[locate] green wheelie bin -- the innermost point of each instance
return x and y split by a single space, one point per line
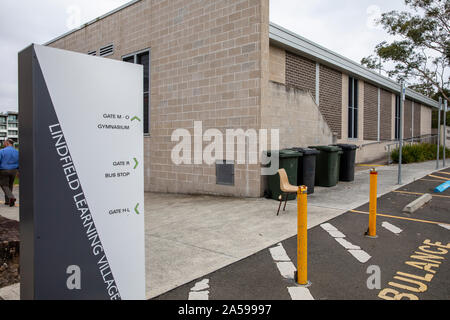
289 162
307 167
327 165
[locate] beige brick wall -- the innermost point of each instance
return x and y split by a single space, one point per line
331 98
417 118
370 112
277 65
425 120
408 119
207 65
300 73
361 94
386 115
294 112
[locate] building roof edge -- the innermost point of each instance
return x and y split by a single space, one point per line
296 43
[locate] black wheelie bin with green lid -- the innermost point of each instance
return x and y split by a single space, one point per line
347 165
288 160
307 168
327 166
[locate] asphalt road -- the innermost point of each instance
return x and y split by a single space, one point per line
405 256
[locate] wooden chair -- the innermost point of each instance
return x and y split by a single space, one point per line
286 188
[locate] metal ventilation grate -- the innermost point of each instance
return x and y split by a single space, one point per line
107 50
225 173
92 53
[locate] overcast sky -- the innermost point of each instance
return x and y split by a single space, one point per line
344 26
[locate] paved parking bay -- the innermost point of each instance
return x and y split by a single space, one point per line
411 254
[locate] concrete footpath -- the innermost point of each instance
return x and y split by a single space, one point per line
188 237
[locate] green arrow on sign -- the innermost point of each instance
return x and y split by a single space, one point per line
136 209
135 118
137 163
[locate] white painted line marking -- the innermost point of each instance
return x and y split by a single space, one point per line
199 291
328 227
355 251
202 285
287 269
391 227
446 226
199 296
279 254
360 255
336 234
299 293
346 244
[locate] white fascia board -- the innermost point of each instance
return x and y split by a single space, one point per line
92 21
298 44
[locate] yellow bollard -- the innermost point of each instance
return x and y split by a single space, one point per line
372 232
302 236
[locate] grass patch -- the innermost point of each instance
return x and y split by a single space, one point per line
419 153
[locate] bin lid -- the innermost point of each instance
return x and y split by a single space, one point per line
347 146
306 151
327 148
285 153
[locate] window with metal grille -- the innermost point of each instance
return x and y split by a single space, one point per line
92 53
225 173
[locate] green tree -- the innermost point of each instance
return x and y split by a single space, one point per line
434 122
420 55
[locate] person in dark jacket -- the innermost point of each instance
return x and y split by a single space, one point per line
9 165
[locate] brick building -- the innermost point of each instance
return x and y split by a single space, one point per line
223 63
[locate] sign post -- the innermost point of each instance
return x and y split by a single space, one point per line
439 133
402 102
82 186
445 134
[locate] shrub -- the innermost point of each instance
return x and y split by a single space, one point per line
419 153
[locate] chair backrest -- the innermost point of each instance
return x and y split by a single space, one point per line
284 180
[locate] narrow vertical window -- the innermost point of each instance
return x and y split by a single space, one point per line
397 117
143 58
352 108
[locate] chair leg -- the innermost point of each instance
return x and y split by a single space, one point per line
287 196
279 207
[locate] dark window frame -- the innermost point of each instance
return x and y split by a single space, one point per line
146 94
353 108
397 117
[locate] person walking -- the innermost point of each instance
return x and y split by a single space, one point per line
9 165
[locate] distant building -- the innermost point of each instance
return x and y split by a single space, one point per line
9 126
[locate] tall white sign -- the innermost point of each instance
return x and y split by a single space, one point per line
82 185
